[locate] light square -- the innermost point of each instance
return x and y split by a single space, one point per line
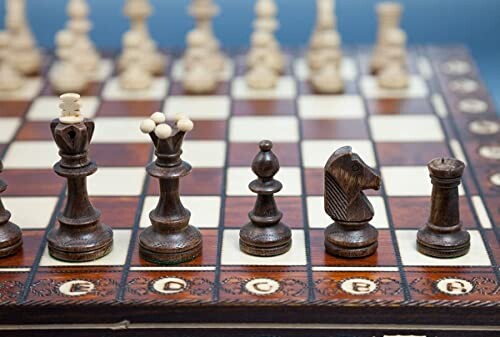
331 107
401 181
8 128
46 108
117 257
204 153
178 70
348 69
30 89
119 130
410 128
31 155
416 89
316 153
232 255
238 179
199 107
30 212
117 181
157 91
285 89
205 210
407 242
319 219
254 129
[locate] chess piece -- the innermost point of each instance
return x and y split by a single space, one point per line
346 176
327 49
80 235
443 236
25 55
170 239
263 65
10 78
203 11
11 239
136 75
80 26
389 17
393 73
266 12
138 11
265 235
67 75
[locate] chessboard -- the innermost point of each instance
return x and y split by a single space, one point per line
446 111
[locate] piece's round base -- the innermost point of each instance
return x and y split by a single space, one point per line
170 248
357 243
443 245
265 241
12 239
72 245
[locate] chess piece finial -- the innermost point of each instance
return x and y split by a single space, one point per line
11 240
70 109
443 236
346 176
265 235
80 235
170 239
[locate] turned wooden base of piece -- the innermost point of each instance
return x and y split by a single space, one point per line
351 240
170 247
87 244
443 245
11 240
265 241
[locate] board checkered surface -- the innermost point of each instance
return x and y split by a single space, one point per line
445 112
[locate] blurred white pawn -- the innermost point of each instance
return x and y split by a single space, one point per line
68 75
393 73
10 78
136 75
263 67
261 51
327 80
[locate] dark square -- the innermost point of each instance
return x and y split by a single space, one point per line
334 129
32 240
242 154
13 108
267 107
128 108
32 183
131 155
390 106
208 130
403 154
35 131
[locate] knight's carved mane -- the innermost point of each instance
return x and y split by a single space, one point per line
341 185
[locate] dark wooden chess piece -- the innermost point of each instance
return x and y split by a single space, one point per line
346 176
170 239
443 236
11 239
80 235
265 235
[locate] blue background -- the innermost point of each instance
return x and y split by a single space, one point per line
475 23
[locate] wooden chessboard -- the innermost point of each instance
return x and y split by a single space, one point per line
445 112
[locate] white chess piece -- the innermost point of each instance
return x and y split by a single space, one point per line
10 78
389 17
393 73
79 25
70 109
136 75
262 51
68 75
138 11
199 74
26 56
327 80
327 50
